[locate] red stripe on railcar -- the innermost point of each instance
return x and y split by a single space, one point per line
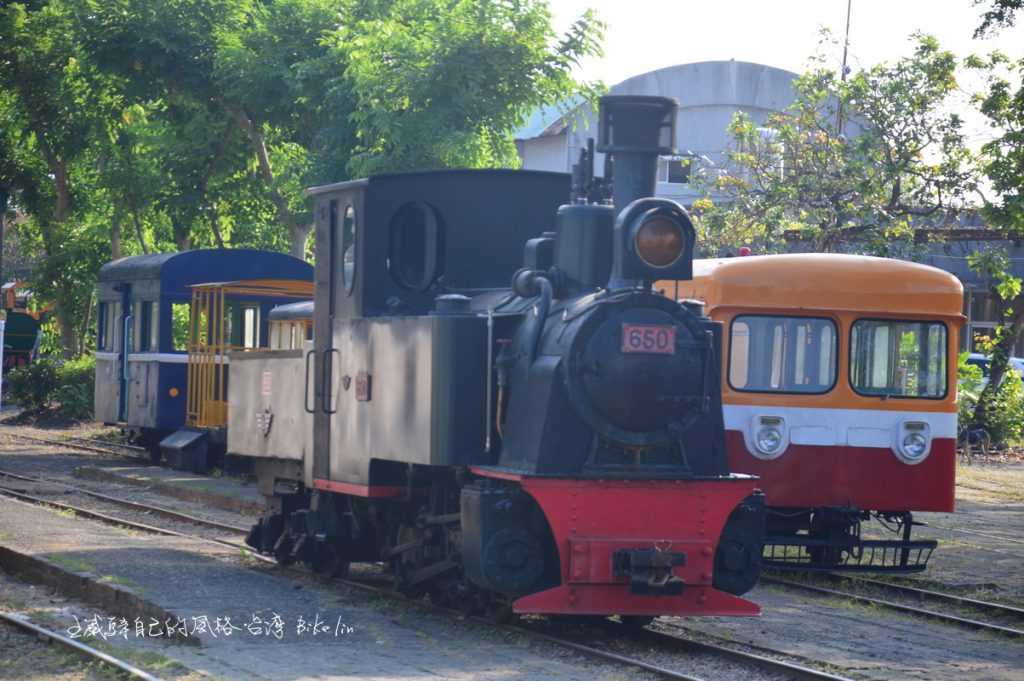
352 489
870 478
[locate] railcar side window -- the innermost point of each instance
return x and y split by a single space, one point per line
416 245
348 243
101 326
898 358
782 354
180 315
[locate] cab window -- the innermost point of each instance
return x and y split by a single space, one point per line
416 246
895 358
782 354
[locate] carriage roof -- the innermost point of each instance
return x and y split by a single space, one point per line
821 281
177 272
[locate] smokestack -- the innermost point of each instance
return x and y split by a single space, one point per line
635 130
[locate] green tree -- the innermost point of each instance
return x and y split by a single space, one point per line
859 159
1000 14
51 103
1002 161
442 85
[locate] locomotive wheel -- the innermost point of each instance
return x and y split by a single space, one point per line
499 613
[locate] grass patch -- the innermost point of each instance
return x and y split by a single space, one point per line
71 563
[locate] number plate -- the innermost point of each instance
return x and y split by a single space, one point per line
653 339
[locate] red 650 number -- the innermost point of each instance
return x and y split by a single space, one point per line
654 339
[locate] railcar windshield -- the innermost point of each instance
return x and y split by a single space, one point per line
782 354
898 358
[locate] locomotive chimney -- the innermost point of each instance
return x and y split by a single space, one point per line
635 131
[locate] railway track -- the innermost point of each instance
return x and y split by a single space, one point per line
948 599
772 661
111 661
93 445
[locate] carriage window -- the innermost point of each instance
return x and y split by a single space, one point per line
112 325
180 315
250 327
147 327
782 354
898 358
348 244
416 243
101 327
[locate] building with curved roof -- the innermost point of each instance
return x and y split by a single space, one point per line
709 93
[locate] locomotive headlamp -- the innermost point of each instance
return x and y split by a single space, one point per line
913 442
653 240
914 446
659 241
768 440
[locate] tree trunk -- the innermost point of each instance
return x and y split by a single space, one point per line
83 331
999 365
297 241
181 237
138 231
296 233
62 188
215 226
115 236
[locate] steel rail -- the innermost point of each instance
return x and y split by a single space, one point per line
746 658
86 513
898 607
71 445
790 669
106 658
924 594
112 520
92 441
145 508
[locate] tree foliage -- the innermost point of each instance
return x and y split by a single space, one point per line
439 89
855 159
129 126
1000 14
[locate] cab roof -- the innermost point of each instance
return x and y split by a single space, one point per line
821 281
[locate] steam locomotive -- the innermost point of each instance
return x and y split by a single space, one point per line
552 446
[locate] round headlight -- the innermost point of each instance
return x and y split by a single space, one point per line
769 440
660 241
914 446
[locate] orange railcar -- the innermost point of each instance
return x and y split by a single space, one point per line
839 391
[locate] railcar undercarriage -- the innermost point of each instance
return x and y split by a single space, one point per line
829 539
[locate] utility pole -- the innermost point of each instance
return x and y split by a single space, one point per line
3 228
842 73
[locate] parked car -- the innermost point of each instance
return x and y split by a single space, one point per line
983 362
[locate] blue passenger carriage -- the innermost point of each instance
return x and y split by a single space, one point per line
155 328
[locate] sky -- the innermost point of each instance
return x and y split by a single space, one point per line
643 35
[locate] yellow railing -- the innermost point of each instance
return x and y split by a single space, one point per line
208 347
207 359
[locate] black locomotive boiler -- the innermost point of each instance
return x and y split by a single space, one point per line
553 447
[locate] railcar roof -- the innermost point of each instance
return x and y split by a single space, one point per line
302 310
179 271
822 281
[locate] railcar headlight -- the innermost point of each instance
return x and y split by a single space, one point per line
660 241
914 446
769 439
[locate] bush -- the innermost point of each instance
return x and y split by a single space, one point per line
76 380
1003 420
34 385
46 381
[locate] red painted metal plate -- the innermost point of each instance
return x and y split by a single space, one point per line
654 339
